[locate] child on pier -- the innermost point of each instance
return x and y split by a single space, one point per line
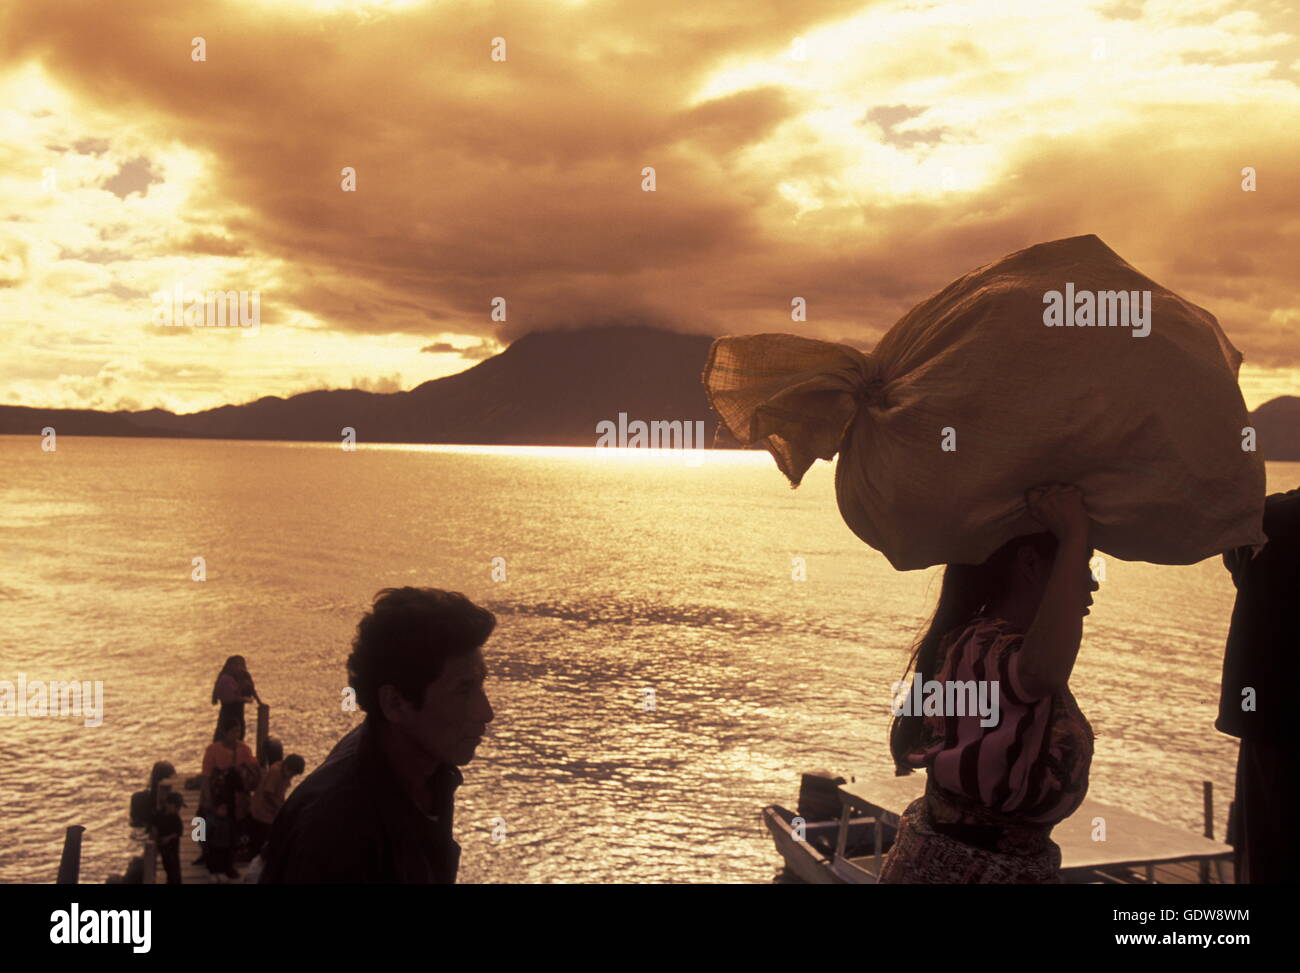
167 830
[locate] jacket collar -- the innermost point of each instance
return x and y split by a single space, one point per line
378 769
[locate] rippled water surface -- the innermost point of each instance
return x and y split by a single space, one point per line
624 573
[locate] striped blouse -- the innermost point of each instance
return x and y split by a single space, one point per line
1032 766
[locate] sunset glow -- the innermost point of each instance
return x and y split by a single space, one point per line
857 155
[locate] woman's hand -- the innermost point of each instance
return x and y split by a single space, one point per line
1059 508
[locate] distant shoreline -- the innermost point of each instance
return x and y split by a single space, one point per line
272 440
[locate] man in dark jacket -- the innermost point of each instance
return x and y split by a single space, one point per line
379 809
1261 672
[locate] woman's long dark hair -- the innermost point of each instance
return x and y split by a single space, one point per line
235 666
968 590
161 771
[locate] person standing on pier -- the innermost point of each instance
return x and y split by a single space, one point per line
379 809
234 687
167 831
228 767
268 798
1261 668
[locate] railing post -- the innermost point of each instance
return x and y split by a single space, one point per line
263 731
70 862
1207 794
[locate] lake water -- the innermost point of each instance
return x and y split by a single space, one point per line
625 572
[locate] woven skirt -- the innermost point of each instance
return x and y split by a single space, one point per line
922 856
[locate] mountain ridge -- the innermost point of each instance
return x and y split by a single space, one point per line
547 388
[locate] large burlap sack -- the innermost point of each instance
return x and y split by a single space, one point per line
971 398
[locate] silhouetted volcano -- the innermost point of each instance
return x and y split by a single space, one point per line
548 388
1277 424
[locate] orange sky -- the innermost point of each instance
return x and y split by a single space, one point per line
859 155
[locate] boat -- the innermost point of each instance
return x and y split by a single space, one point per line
808 847
842 831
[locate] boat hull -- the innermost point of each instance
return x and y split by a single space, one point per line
802 859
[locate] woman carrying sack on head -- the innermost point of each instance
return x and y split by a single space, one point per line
994 793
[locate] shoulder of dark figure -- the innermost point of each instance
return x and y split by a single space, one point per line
1282 514
327 831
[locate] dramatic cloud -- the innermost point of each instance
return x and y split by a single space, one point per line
857 155
484 349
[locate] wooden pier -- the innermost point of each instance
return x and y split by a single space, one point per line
843 830
1129 849
146 868
192 872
